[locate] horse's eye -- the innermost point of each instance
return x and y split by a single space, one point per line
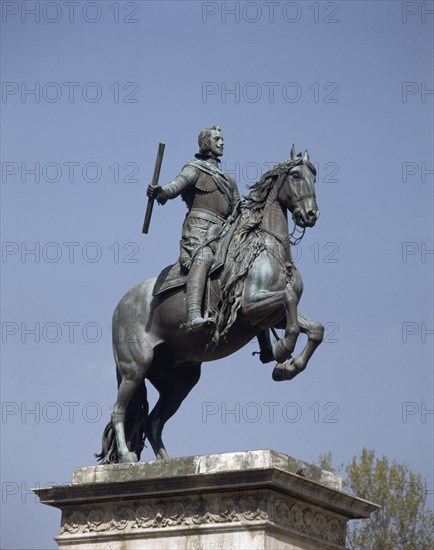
295 175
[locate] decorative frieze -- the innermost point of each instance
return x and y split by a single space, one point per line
200 511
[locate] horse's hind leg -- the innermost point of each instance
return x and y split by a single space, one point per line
315 334
265 346
173 385
131 375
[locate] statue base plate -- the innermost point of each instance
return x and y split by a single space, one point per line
253 499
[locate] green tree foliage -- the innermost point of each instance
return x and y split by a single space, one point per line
404 522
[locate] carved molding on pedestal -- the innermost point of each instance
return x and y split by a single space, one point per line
202 511
308 521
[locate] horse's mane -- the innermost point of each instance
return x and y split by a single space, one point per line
246 244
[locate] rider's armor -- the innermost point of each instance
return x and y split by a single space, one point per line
210 196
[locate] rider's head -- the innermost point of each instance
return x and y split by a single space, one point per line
211 141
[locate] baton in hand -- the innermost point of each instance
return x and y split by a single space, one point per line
155 177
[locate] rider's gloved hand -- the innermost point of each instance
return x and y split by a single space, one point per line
156 192
153 191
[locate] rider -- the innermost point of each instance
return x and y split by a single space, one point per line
210 196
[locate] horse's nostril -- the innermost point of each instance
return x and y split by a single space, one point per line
311 214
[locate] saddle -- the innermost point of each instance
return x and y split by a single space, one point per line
235 254
174 276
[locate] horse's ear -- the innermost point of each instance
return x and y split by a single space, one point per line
292 154
306 156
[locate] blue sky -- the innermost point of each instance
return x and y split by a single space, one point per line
351 82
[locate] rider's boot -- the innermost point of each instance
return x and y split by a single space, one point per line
265 348
195 288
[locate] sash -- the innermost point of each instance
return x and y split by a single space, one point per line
220 178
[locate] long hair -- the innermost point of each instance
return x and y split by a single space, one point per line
204 139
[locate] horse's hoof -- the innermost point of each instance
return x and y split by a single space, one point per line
128 458
285 371
281 351
162 455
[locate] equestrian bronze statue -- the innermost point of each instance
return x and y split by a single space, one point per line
248 284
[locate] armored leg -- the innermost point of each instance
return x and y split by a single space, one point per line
196 282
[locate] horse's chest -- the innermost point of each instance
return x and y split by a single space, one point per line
271 269
279 256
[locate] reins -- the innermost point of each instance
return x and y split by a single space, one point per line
296 229
296 240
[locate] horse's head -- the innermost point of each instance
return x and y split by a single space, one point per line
297 189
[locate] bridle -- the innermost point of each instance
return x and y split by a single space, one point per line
292 206
296 240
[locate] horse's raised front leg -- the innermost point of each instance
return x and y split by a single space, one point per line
269 307
315 334
283 348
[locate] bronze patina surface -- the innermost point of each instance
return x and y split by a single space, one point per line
235 280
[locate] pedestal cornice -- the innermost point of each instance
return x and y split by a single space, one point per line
255 495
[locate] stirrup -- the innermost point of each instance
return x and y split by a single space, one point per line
198 324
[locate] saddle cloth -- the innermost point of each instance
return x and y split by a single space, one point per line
171 277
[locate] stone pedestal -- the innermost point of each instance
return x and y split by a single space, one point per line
246 500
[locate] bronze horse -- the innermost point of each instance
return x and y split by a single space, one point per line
150 342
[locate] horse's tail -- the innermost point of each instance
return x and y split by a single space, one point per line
135 426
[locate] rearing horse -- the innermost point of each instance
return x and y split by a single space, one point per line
149 341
